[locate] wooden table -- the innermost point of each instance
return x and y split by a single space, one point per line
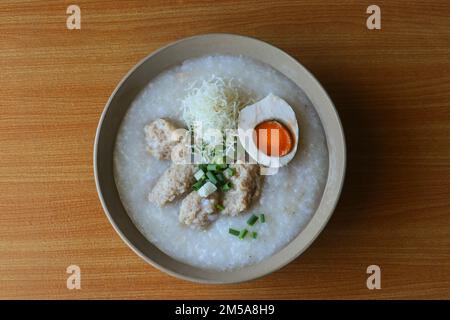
390 86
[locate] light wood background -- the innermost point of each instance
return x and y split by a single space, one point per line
391 88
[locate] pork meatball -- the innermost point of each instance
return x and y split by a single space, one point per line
246 188
197 211
161 136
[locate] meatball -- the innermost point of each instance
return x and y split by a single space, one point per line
161 136
246 188
174 182
197 211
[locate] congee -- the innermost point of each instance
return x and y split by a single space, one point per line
221 161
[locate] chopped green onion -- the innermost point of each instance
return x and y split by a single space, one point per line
226 186
234 232
254 234
211 177
228 172
220 207
203 167
262 218
220 177
252 220
212 167
242 234
196 186
222 166
199 174
206 189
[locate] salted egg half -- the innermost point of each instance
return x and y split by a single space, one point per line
268 131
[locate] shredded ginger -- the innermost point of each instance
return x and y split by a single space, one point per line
214 104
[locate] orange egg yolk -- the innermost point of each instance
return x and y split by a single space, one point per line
273 138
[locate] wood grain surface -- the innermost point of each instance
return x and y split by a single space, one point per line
390 86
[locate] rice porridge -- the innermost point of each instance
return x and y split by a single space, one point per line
287 199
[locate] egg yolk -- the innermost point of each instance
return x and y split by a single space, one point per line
273 138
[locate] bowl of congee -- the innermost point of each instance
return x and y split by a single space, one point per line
219 158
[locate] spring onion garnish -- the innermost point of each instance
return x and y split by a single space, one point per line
196 186
252 220
212 167
206 189
234 232
262 218
216 173
220 177
242 234
228 173
226 186
199 174
254 234
220 207
211 177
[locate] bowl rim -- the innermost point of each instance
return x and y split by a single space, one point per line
317 230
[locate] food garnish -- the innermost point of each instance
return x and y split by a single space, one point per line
242 234
206 189
252 220
213 106
199 174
